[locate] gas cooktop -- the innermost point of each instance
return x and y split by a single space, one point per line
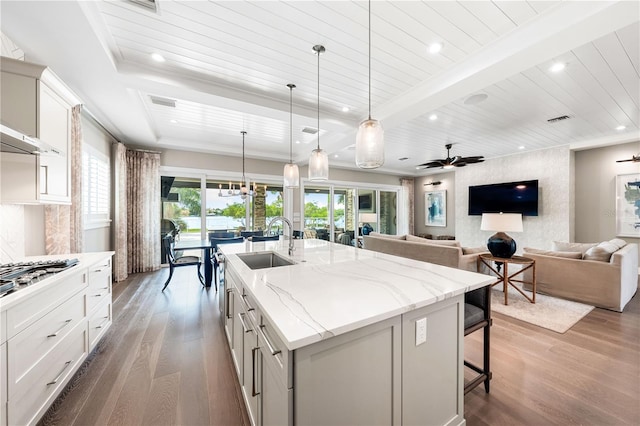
14 276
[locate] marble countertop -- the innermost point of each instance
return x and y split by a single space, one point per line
333 288
85 260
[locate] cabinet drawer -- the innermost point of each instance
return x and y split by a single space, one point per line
34 343
36 306
99 323
99 285
275 352
32 396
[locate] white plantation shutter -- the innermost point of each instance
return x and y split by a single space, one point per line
95 187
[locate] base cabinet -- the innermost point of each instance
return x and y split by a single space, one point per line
376 375
48 336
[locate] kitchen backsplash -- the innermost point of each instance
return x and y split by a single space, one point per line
12 237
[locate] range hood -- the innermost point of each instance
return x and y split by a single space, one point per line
19 143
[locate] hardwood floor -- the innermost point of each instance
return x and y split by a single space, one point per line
165 361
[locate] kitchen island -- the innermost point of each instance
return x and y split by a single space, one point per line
346 336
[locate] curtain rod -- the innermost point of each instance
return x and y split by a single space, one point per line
147 150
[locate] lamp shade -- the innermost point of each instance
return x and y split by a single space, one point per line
504 222
500 244
318 165
370 144
291 175
368 217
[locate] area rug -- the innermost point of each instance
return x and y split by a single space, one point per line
549 312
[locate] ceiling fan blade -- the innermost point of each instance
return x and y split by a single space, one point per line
455 159
432 163
459 164
623 161
471 160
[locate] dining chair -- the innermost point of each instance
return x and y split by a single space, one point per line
176 261
247 234
219 234
215 242
477 316
258 238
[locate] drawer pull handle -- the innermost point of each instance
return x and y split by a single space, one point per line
266 339
253 371
244 325
226 299
54 381
66 323
97 295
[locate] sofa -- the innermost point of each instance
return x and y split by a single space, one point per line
600 274
441 252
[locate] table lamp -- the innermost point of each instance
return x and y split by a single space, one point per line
500 244
366 219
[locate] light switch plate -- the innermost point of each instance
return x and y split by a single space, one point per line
421 331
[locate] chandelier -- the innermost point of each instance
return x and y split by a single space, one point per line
244 188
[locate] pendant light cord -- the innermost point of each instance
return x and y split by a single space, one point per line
318 100
369 59
243 178
291 86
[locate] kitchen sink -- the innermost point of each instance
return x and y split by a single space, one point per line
264 260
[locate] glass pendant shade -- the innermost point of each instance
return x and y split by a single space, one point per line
318 165
291 176
370 144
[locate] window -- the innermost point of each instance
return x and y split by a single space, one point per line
95 187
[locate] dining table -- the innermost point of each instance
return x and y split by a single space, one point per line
204 245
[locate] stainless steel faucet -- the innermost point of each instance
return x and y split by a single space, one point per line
288 222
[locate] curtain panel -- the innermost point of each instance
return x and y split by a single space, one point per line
119 172
143 211
407 187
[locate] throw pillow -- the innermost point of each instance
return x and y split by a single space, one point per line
602 252
618 243
579 247
567 254
474 250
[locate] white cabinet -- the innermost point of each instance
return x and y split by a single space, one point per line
3 384
49 334
36 103
99 301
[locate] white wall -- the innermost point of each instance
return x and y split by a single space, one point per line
596 171
553 168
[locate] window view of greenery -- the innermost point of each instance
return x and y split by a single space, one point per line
224 211
316 213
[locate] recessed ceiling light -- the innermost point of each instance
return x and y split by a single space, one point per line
298 142
521 147
403 158
476 99
345 109
157 57
335 155
621 127
557 67
433 117
435 48
173 121
417 167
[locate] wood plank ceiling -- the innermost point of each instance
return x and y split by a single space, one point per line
227 64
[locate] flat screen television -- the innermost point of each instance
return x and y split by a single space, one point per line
509 197
365 201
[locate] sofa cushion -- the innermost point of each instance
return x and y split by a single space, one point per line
450 243
392 237
618 242
602 252
567 254
474 250
580 247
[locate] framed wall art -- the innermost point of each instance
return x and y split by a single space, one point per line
435 208
628 205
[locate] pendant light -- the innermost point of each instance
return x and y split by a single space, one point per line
291 174
319 161
370 137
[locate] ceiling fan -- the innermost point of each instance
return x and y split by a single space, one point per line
634 158
451 162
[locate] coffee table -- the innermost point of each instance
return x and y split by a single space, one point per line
504 277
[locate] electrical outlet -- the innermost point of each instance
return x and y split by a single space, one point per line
421 331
